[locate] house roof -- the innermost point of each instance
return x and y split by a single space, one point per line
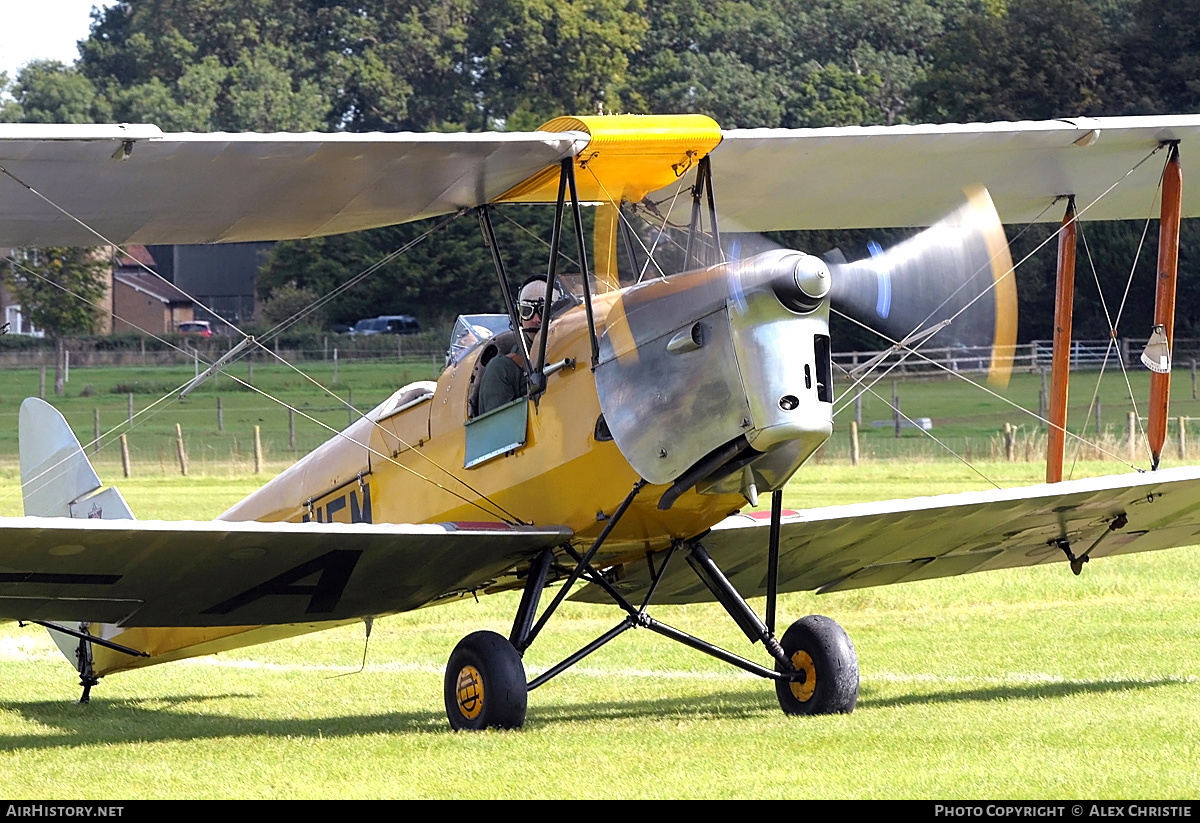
135 255
152 285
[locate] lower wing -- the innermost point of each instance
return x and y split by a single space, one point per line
147 573
895 541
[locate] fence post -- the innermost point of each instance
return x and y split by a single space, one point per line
258 456
129 404
1043 396
220 415
1010 442
335 365
183 464
1182 438
858 408
896 406
292 429
853 443
1131 436
42 383
125 467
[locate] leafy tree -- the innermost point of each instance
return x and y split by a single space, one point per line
887 40
541 58
1040 60
46 91
448 274
58 289
289 301
1161 53
212 64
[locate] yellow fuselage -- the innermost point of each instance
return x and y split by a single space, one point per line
411 466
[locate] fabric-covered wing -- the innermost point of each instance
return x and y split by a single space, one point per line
136 184
876 176
895 541
148 573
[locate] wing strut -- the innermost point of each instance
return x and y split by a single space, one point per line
1060 357
703 187
1164 298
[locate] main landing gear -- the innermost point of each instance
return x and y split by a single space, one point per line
485 684
825 666
815 671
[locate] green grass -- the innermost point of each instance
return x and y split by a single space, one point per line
210 450
1029 683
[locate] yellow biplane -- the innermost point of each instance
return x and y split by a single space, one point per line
654 412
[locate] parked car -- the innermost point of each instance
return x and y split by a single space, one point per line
199 328
387 324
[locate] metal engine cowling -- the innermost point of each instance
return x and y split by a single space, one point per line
716 371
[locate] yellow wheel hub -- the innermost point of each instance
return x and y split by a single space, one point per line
802 690
469 692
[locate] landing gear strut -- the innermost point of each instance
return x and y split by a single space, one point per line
815 672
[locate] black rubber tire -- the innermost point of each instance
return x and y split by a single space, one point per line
492 693
822 649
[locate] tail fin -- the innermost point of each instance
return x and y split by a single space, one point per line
57 480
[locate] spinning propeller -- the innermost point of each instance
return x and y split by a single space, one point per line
958 270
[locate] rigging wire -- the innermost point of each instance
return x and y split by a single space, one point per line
625 219
1114 324
95 442
929 434
538 238
388 458
996 282
261 343
108 242
959 375
1009 273
280 327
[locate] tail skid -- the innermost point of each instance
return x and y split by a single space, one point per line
57 480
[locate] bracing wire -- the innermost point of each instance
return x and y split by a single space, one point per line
932 436
299 315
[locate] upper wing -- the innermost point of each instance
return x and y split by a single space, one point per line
874 544
874 176
147 573
136 184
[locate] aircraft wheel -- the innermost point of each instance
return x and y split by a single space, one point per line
485 684
822 652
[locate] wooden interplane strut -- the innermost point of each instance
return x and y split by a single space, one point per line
1060 363
1164 298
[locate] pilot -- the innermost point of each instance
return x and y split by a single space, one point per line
504 376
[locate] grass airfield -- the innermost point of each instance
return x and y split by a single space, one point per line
1029 683
1020 684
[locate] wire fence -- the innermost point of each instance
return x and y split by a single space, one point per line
1027 357
1033 356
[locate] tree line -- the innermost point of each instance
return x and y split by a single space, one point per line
470 65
